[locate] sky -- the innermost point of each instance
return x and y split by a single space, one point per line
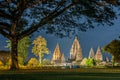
92 38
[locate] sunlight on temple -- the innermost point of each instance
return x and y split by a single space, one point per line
98 55
58 57
91 53
76 56
76 51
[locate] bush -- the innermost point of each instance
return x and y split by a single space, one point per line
1 63
33 62
46 62
20 60
90 62
83 63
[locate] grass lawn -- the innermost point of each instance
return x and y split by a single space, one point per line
61 74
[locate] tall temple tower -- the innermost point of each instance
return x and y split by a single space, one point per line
58 57
76 51
98 55
91 53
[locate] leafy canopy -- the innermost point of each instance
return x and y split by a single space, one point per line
40 47
113 48
20 18
23 46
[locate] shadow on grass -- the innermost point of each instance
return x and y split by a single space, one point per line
71 74
60 76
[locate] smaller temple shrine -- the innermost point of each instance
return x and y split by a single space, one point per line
91 53
57 57
98 55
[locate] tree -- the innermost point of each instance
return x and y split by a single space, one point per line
37 13
114 49
23 46
40 47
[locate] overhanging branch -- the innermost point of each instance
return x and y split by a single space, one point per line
14 1
5 34
44 21
5 15
5 26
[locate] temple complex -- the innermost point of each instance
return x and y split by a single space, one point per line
76 51
58 57
76 57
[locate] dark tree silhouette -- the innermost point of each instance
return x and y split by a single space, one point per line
20 18
114 49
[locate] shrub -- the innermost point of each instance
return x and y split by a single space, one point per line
46 62
33 62
1 63
90 62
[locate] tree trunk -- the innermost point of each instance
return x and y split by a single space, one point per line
14 54
40 58
113 61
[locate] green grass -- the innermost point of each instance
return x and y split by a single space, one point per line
61 74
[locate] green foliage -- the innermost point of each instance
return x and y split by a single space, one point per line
23 46
46 62
90 62
40 47
20 60
114 49
33 62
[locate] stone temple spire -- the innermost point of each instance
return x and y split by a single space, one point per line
58 57
57 54
91 53
76 51
98 55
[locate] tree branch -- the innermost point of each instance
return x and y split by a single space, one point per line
14 1
44 21
5 15
3 5
5 26
5 34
